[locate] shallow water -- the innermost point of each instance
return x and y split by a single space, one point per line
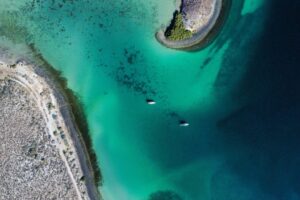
107 51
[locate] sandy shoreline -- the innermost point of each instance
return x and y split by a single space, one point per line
203 35
60 122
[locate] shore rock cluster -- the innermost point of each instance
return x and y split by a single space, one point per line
197 13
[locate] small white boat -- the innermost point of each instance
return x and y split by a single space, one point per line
183 123
150 102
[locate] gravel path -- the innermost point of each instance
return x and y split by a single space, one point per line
35 104
31 166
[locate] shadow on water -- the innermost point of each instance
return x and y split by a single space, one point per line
263 136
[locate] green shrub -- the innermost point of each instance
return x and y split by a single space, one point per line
176 31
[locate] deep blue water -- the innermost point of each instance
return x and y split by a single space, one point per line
267 128
241 95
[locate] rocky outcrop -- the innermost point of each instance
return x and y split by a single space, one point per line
201 17
197 13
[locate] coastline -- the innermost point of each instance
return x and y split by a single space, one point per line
203 37
74 109
47 91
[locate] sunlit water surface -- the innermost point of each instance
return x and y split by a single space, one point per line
108 53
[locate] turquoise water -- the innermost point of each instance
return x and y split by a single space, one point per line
107 51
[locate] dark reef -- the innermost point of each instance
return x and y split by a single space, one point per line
165 195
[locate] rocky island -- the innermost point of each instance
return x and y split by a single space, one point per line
192 23
42 154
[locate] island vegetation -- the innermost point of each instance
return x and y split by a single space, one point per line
194 24
177 31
